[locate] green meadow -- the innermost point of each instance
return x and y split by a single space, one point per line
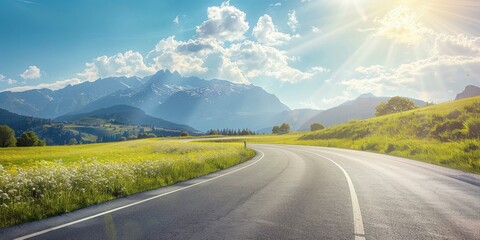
38 182
446 134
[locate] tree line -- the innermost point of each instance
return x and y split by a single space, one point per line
231 132
27 139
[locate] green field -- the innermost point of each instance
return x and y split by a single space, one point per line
38 182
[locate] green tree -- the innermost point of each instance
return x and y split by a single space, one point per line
29 139
285 128
184 134
7 137
276 130
72 141
394 105
316 127
213 132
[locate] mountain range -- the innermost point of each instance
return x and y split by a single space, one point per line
192 101
179 102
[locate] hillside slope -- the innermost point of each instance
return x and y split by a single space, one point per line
447 134
124 114
21 123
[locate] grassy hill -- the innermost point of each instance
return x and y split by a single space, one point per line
446 134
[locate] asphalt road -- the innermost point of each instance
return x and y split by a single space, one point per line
288 192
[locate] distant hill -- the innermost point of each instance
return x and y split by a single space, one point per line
21 123
470 91
124 114
362 107
53 133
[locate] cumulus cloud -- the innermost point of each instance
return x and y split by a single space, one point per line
127 64
224 23
7 81
54 86
454 63
267 33
32 72
258 60
278 4
453 45
292 20
402 26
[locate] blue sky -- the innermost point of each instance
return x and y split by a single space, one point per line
314 54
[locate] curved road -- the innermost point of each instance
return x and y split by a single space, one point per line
288 192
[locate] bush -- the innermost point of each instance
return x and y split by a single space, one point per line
29 139
474 108
473 127
454 114
73 141
316 127
184 134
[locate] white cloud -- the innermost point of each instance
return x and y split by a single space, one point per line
267 33
183 57
53 86
316 30
11 81
204 58
453 45
127 64
211 54
7 81
292 20
224 23
454 63
32 72
278 4
258 60
402 26
319 69
176 21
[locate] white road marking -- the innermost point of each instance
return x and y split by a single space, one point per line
135 203
359 231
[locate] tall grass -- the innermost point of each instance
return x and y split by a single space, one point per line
39 182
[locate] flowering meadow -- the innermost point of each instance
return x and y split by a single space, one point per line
44 181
